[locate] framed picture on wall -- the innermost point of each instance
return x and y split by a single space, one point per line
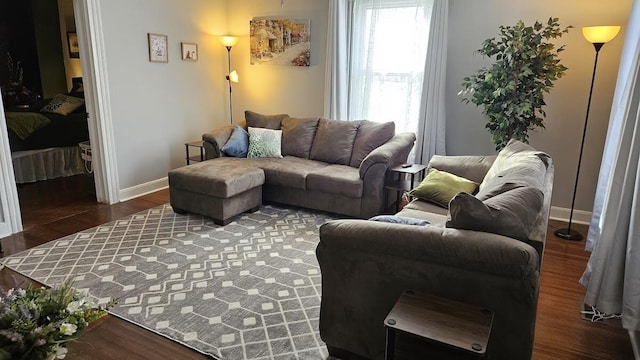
72 41
158 48
189 51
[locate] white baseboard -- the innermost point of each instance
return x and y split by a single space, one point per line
562 214
143 189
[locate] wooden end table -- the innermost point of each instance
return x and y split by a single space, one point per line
194 144
451 329
397 180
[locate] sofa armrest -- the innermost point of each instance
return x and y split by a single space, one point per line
461 249
215 139
392 152
473 168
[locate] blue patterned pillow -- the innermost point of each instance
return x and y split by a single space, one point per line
238 143
264 143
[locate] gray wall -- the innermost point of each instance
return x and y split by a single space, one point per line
471 22
270 89
157 107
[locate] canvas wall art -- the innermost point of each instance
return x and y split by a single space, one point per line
280 41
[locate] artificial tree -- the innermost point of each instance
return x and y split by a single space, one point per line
511 91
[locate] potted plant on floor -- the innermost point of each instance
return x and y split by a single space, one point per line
511 91
36 323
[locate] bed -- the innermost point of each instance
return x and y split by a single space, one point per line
44 138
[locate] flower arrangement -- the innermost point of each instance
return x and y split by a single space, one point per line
37 322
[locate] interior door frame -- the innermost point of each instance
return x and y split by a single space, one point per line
95 80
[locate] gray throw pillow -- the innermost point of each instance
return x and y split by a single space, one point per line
370 136
521 157
297 136
264 121
334 141
512 213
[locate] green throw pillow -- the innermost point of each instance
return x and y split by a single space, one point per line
264 143
439 187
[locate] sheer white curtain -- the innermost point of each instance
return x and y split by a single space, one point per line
376 53
612 276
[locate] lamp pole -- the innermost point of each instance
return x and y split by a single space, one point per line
598 36
567 233
229 80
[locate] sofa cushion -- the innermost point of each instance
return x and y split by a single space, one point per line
512 213
521 161
426 206
238 143
264 121
370 135
439 187
220 177
336 179
297 136
264 143
334 141
289 171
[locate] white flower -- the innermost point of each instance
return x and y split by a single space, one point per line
21 292
61 352
74 306
68 329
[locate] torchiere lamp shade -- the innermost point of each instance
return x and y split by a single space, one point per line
600 34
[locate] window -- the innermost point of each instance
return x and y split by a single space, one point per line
388 50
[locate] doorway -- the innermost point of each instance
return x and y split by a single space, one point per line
91 48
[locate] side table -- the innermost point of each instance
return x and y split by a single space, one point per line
397 180
451 329
194 144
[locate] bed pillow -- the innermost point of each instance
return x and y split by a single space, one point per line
264 143
439 187
238 143
63 104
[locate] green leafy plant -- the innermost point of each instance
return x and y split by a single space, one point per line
511 91
37 322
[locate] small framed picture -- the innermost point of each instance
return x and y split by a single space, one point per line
189 51
158 48
72 41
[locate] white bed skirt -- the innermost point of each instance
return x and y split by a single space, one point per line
35 165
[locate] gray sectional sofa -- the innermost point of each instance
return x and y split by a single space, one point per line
484 250
330 165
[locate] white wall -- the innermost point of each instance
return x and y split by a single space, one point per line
157 107
471 22
271 89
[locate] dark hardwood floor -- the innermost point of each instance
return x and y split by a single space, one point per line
54 209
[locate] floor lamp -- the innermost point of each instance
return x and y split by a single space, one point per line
598 36
232 76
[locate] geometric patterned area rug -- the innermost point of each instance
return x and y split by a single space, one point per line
247 290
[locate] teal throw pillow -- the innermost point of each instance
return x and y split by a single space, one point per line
238 143
264 143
